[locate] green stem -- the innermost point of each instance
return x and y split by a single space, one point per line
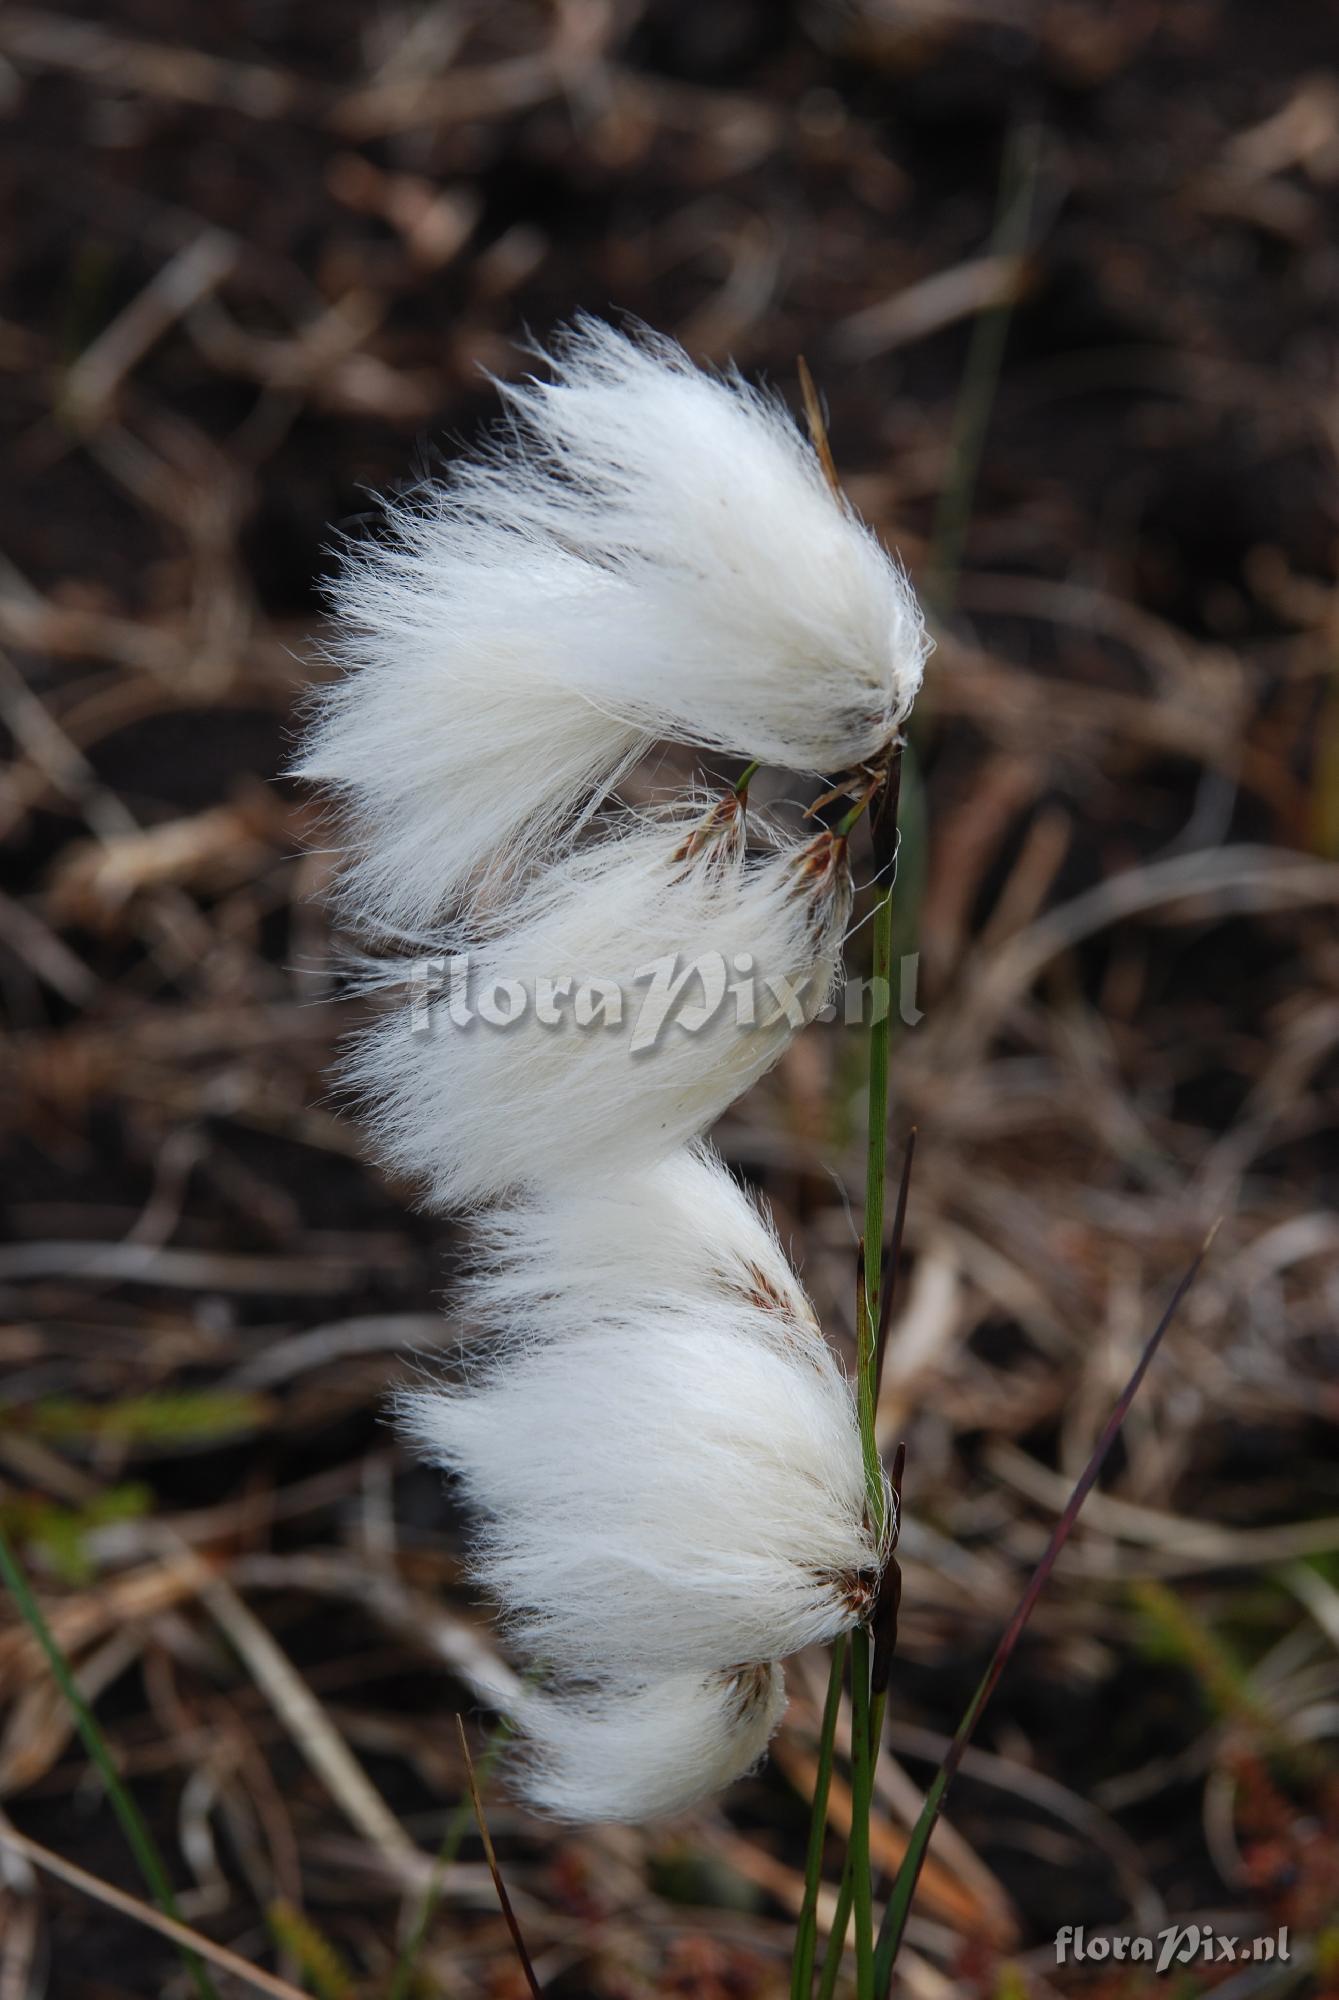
836 1946
857 1887
841 1915
876 1170
138 1837
862 1793
806 1935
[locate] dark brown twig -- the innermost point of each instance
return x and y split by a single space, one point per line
504 1900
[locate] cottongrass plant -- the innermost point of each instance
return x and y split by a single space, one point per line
675 1485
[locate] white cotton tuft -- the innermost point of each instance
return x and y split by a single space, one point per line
769 620
453 737
642 1752
627 996
651 552
683 1491
681 1233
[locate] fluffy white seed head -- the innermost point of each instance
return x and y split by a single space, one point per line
652 552
771 622
638 1753
631 948
682 1233
680 1492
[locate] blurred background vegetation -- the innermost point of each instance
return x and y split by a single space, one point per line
1066 275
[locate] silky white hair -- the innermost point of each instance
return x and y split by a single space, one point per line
473 1111
680 1232
640 1752
650 552
455 736
661 1451
679 1491
769 621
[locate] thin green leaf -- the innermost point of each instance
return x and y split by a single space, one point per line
862 1793
138 1836
190 1417
841 1918
806 1935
